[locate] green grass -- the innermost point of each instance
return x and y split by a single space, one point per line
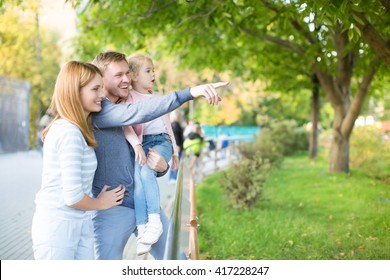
305 213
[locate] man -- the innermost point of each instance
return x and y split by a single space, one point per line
114 226
194 142
179 138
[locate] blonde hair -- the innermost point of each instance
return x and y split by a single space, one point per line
102 60
66 100
136 61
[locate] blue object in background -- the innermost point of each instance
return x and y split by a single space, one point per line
244 132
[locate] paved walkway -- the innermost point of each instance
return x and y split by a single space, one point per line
20 177
19 181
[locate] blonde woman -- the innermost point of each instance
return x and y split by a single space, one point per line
62 225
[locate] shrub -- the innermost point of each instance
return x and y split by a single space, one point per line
243 182
280 139
283 133
370 153
263 147
290 137
302 140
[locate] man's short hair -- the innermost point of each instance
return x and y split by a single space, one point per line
102 60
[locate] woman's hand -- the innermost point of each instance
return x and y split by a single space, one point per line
111 197
106 199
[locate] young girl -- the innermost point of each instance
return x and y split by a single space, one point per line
156 134
62 225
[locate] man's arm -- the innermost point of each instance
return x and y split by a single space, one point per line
116 115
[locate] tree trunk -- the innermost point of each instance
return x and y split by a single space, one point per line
339 152
315 111
346 113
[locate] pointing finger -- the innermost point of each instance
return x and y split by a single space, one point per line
219 84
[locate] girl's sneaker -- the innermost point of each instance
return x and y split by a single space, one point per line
141 247
152 233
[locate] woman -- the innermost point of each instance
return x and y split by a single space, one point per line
62 225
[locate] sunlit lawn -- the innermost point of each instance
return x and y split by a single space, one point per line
305 213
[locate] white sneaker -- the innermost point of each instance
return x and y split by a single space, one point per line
152 233
142 248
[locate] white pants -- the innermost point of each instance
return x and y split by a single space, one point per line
62 239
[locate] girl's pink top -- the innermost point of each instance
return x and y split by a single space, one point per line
134 133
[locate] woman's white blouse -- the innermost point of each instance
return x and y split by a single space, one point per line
69 166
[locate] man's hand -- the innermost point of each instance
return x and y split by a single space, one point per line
156 161
208 91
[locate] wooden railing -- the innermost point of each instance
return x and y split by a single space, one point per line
210 162
193 253
182 239
172 247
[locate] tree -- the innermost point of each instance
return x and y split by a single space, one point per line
371 26
281 40
29 52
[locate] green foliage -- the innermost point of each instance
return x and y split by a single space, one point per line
283 133
370 152
326 116
305 214
263 147
279 106
29 54
386 114
280 139
276 40
301 141
243 183
281 42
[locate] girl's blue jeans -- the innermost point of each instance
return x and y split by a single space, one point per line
146 191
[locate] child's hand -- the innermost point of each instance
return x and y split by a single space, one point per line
140 155
175 162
